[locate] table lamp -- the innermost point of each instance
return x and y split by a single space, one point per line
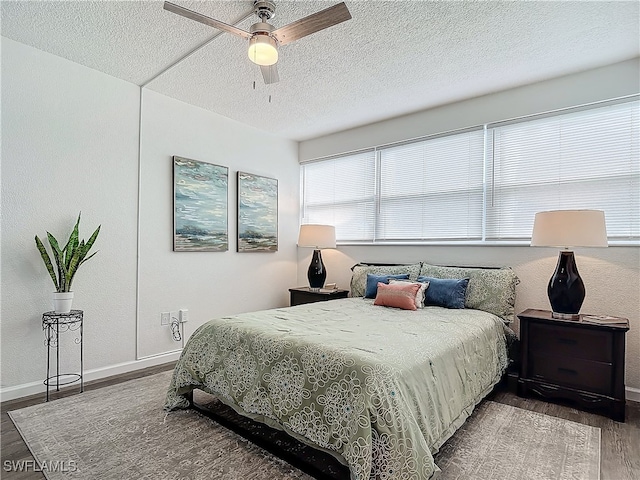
317 237
566 229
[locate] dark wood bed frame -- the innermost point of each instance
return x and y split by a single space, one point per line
318 464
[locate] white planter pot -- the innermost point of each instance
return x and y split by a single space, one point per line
62 302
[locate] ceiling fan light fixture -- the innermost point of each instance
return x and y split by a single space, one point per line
264 38
263 50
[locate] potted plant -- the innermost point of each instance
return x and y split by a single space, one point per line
68 260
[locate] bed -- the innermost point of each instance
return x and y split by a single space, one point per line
379 388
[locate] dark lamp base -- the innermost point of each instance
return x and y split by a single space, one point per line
566 289
316 274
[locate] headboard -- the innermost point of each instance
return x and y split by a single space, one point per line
491 289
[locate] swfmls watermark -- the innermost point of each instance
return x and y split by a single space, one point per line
62 466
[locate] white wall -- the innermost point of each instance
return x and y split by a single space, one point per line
70 143
208 284
611 275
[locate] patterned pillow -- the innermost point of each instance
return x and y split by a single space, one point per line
399 295
492 290
420 295
372 282
359 276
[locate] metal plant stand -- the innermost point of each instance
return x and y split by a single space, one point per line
53 325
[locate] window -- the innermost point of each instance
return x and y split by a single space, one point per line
432 189
583 160
484 184
341 192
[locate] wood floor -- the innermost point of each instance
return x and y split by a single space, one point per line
620 447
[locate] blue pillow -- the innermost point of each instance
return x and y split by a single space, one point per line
445 292
372 282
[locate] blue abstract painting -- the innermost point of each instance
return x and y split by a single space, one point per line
257 213
200 206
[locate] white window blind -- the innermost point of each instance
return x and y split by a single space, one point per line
432 189
583 160
341 192
484 185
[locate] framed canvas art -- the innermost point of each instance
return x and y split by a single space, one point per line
257 213
200 192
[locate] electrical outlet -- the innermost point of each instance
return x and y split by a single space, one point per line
164 318
184 315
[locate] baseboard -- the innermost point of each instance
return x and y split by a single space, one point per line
26 389
633 394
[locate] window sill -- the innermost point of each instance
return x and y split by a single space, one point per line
469 243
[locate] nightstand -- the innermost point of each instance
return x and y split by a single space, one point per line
573 360
301 295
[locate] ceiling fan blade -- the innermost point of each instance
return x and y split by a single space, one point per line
313 23
270 74
198 17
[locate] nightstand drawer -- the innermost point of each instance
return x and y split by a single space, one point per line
581 343
582 374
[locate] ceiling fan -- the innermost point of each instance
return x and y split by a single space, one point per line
264 39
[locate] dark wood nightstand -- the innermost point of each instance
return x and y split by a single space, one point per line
300 295
573 360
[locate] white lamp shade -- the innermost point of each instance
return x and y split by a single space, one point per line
317 236
569 228
263 50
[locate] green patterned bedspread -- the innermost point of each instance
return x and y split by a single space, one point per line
380 388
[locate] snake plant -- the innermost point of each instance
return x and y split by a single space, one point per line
68 259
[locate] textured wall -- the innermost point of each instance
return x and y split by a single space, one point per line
69 143
209 284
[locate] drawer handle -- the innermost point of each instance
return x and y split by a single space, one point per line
567 370
590 398
567 341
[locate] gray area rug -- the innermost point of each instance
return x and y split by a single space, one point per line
121 432
504 442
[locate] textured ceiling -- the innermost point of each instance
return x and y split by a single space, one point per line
392 58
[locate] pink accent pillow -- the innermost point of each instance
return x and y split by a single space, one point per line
399 295
420 295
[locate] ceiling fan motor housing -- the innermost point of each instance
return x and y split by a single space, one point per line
264 9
